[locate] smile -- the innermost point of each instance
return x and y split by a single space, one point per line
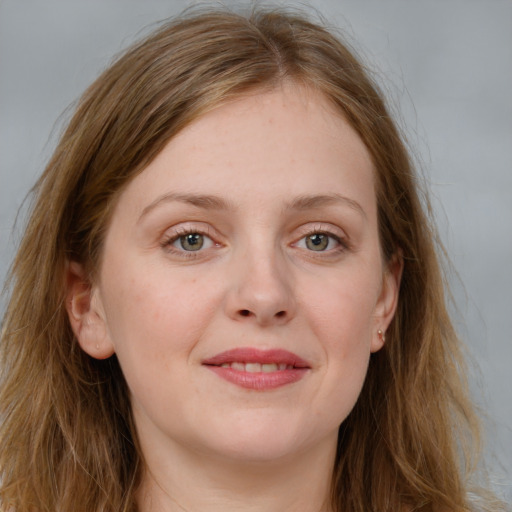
258 369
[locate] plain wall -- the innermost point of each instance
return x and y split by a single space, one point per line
447 64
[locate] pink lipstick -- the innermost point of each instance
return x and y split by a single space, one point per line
258 369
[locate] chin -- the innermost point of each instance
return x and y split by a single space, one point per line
261 439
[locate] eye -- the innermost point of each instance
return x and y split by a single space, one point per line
321 242
317 242
186 242
190 242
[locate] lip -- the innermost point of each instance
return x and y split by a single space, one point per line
297 367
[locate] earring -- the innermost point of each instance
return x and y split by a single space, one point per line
381 335
97 346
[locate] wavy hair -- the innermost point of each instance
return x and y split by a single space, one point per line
67 435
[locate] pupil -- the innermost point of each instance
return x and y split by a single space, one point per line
192 242
193 239
317 242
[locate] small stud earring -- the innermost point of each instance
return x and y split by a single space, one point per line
382 336
97 346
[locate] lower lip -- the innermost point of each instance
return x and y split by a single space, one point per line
259 380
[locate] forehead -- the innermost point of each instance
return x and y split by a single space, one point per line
286 142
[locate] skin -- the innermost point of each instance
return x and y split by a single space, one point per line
256 282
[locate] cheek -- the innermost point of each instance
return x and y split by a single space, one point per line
341 310
340 313
155 317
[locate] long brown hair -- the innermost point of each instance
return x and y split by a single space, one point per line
67 437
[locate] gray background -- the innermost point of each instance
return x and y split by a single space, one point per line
447 65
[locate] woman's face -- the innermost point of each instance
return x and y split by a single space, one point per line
242 285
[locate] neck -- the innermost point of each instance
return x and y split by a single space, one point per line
194 482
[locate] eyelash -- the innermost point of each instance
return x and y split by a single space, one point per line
342 242
167 243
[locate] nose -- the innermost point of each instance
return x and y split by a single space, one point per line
261 290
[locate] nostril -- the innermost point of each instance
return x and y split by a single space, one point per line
248 313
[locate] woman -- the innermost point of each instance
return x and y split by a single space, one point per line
228 295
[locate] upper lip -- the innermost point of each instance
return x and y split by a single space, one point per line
255 355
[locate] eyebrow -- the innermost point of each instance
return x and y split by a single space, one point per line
310 202
206 202
210 202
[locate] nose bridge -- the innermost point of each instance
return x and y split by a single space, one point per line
261 284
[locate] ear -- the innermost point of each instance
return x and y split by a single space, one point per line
86 314
388 299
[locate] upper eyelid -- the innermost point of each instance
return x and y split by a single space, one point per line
185 228
321 227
